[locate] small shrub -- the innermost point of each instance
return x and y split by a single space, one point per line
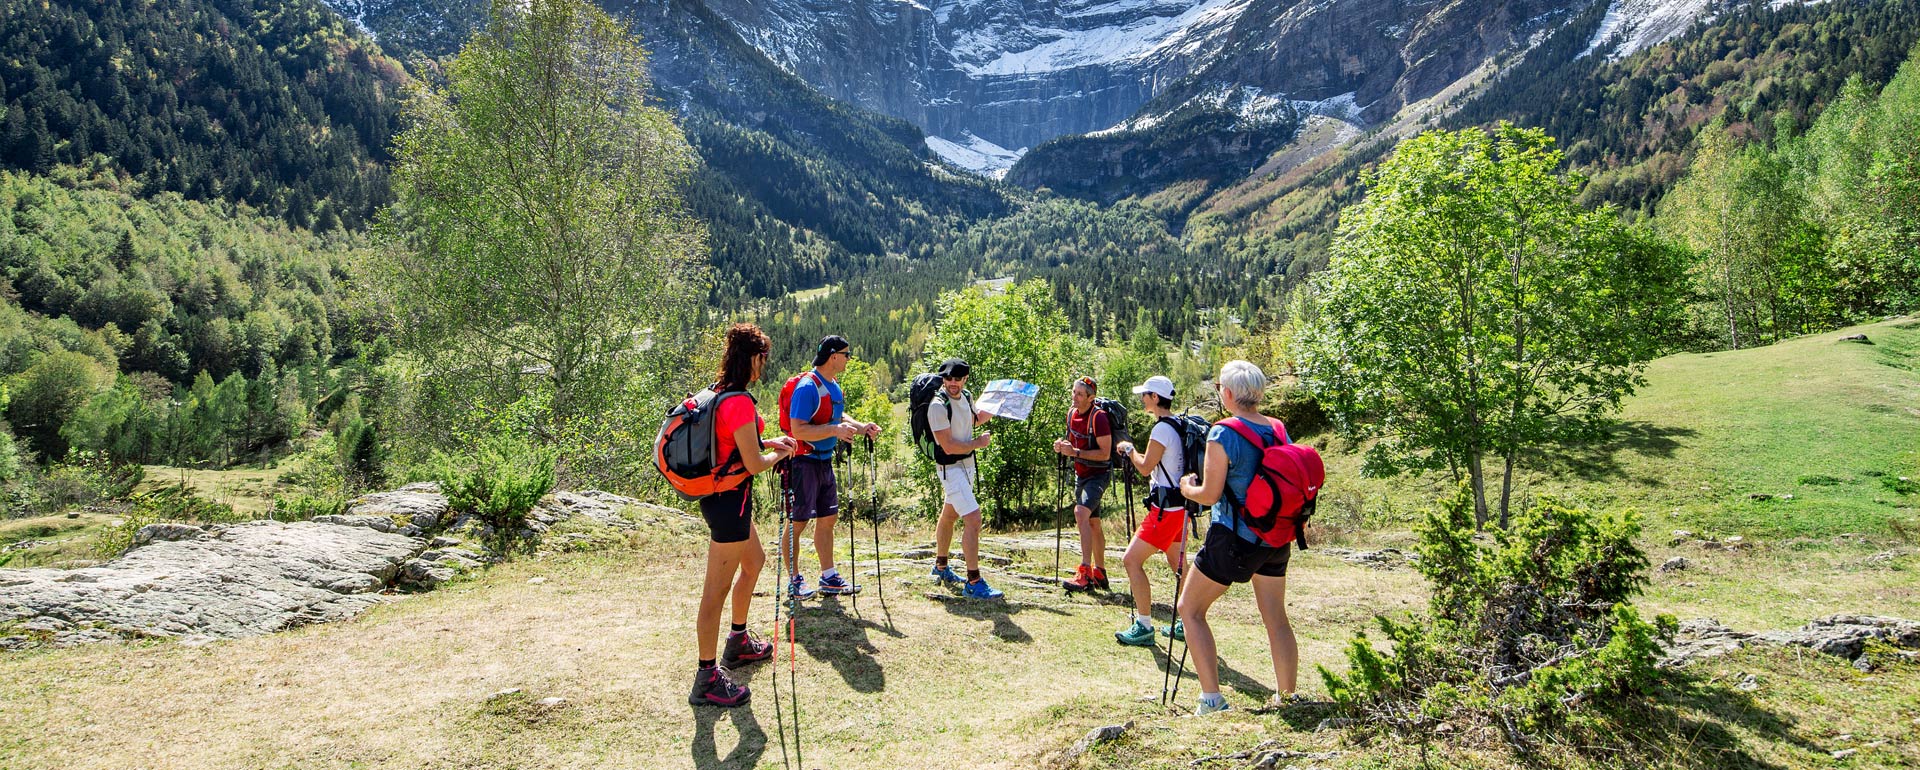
499 482
1900 485
84 479
305 507
1521 633
176 503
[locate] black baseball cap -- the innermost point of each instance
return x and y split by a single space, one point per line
954 368
829 345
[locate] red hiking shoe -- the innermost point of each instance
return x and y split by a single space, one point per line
1098 579
1082 580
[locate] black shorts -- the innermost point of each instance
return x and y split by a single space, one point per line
729 514
815 492
1090 490
1227 559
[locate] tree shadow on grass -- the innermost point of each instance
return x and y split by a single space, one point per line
828 633
999 611
1600 460
745 754
1691 724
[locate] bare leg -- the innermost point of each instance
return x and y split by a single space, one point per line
790 546
970 540
1195 599
943 531
1089 527
723 559
752 560
823 540
1136 565
1271 594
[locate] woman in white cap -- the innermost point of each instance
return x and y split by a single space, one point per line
1165 527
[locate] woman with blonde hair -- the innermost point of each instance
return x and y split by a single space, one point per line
1233 552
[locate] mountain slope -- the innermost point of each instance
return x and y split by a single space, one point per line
798 189
272 103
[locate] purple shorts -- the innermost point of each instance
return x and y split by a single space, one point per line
815 492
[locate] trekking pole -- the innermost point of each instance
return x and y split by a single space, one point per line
1178 585
873 492
1179 581
844 456
780 565
793 627
1059 504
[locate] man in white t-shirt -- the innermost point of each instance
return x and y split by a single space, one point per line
952 418
1165 525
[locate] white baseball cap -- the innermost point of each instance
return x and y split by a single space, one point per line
1157 385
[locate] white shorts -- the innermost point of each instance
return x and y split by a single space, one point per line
956 488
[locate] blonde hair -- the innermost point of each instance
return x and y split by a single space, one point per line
1246 381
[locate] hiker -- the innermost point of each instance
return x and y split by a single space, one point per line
814 412
951 419
735 555
1166 520
1089 442
1232 551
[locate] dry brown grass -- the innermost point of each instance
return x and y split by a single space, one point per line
923 683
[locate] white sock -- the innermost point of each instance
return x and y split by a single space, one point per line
1213 698
1145 620
829 574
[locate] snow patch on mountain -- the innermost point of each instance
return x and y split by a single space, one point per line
975 154
1631 26
1248 102
992 53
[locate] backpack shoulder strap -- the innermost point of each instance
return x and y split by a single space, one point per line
1246 431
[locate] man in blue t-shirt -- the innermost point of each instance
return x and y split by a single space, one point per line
817 416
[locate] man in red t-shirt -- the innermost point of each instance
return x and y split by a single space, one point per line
1089 442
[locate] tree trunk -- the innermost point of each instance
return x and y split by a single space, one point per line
1506 490
1479 481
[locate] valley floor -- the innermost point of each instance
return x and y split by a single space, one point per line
455 678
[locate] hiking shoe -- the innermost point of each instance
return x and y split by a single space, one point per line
1082 580
945 575
1098 579
745 647
797 588
713 687
835 585
1205 707
978 589
1138 634
1176 632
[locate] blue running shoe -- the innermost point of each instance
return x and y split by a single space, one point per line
797 588
978 589
946 575
834 585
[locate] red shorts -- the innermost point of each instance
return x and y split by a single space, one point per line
1162 526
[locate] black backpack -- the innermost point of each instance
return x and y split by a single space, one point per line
1116 419
1193 447
926 390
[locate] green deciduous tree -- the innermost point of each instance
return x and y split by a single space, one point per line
1016 334
539 244
1761 272
48 393
1473 310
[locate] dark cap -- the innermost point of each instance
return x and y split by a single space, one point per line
829 345
954 368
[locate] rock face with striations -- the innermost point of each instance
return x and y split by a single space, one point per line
241 580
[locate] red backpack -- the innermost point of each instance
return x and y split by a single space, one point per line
821 413
1280 499
685 449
